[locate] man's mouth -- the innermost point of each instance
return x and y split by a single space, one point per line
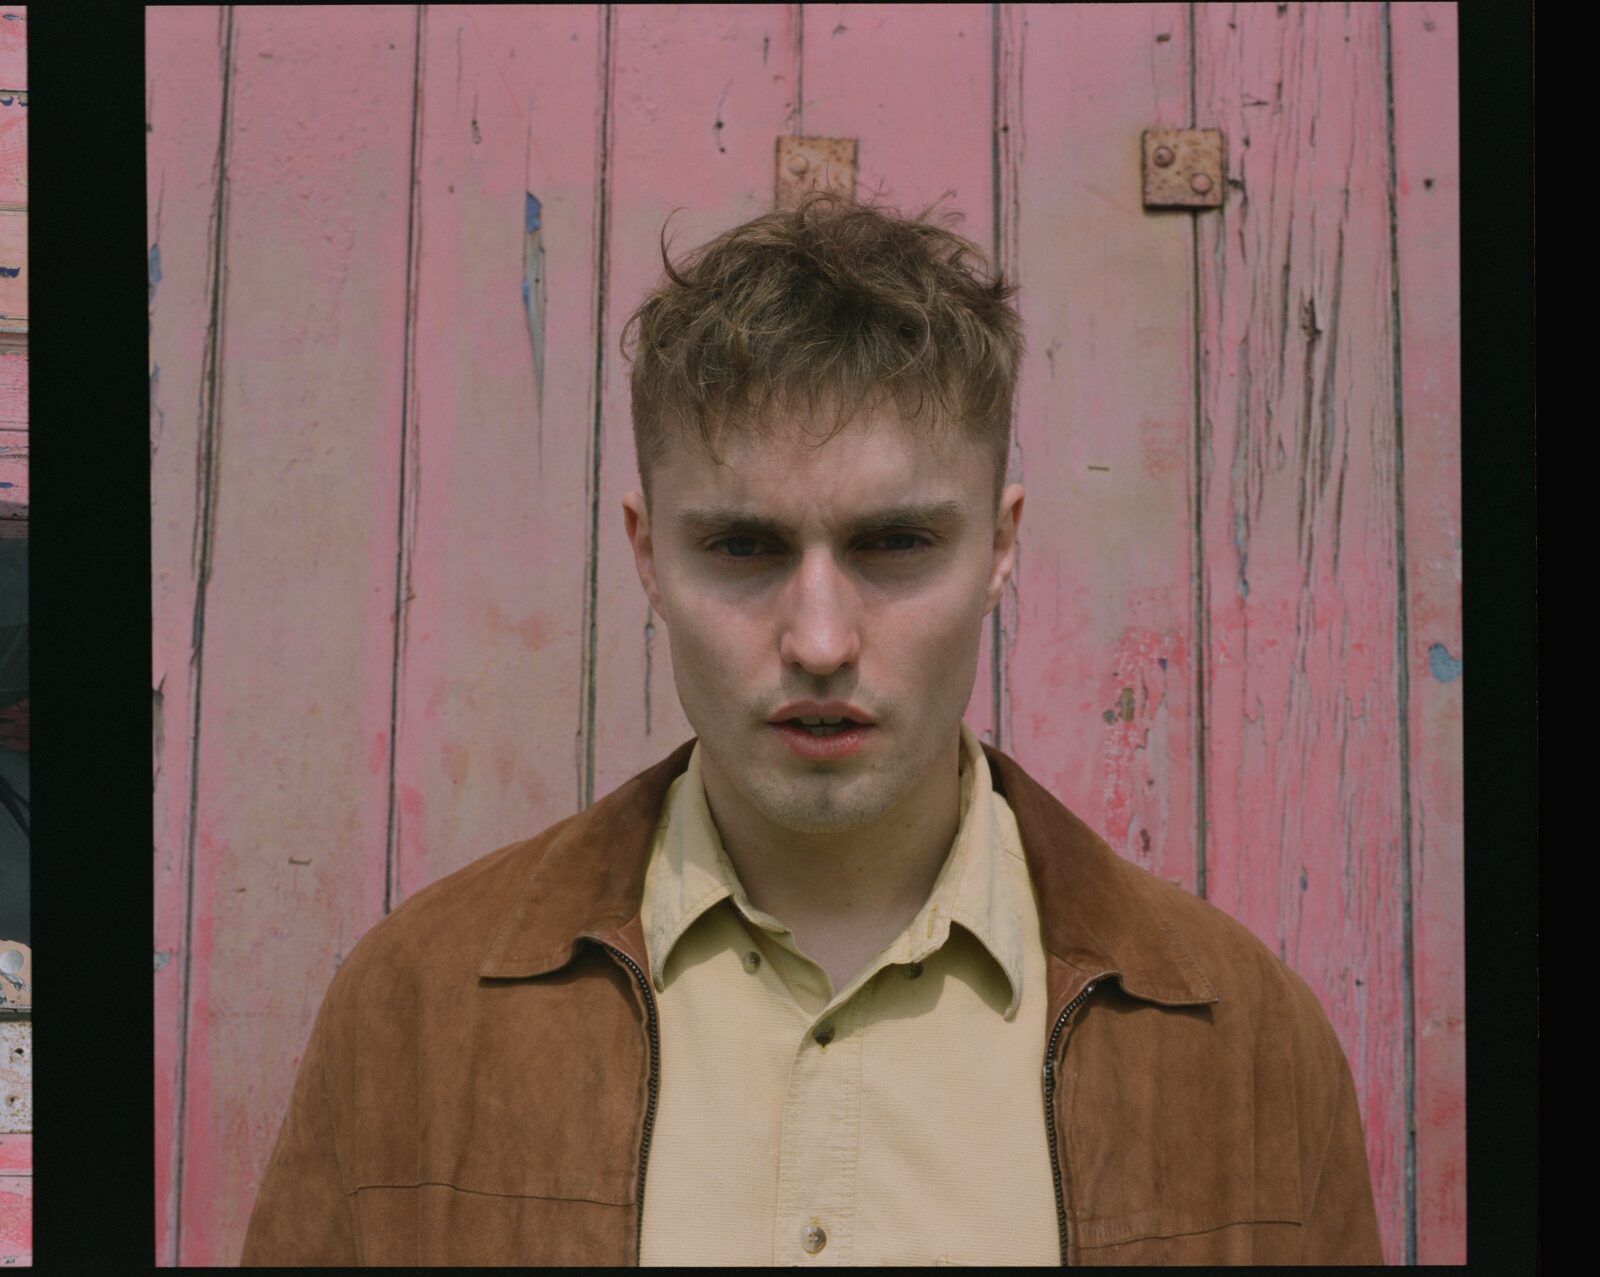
821 727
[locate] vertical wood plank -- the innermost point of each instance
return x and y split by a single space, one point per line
185 57
698 94
493 639
1423 49
16 1201
13 46
13 147
14 391
1098 633
1299 530
299 607
867 77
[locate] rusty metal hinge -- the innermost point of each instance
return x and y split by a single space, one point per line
828 163
1183 168
16 978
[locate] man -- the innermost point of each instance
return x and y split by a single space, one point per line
834 983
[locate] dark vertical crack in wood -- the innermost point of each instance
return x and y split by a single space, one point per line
406 502
586 711
799 114
205 510
1402 632
1197 576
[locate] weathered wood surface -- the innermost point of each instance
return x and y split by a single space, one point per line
186 51
1298 453
488 718
1099 622
295 625
391 568
16 1077
16 1053
16 1201
13 46
1427 149
13 390
13 147
13 270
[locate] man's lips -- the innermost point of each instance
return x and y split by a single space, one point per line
822 709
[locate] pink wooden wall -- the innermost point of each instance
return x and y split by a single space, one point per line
397 624
16 1044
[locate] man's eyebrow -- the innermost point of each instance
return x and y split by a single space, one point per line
733 519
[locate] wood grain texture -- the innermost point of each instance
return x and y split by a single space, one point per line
14 474
488 716
185 59
1298 525
1099 629
16 1221
1423 51
866 76
16 1077
14 390
13 46
697 95
13 148
297 642
13 270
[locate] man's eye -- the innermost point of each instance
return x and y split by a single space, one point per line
907 543
916 542
736 542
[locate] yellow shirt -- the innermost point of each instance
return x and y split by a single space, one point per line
899 1120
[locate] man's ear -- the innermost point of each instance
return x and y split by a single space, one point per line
1005 544
636 523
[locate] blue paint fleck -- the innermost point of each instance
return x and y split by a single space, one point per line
7 485
533 295
1303 883
11 17
1444 666
155 269
10 272
1162 661
6 101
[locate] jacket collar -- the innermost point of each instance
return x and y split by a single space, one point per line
1100 915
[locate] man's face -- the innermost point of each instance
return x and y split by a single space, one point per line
818 604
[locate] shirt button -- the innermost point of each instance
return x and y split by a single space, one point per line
813 1238
823 1035
913 970
752 960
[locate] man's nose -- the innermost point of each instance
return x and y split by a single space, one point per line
819 616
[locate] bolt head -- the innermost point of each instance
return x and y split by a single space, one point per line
1200 183
1163 156
798 164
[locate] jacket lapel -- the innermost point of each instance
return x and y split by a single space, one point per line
1100 915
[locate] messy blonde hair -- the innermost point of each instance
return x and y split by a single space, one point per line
829 304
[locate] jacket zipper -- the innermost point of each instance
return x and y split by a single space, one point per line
650 1106
1049 1112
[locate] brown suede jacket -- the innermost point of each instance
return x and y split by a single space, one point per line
481 1079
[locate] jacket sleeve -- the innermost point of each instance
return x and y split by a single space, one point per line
1341 1222
302 1214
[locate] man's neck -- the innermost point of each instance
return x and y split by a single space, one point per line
847 895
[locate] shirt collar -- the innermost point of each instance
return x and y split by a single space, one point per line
690 872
